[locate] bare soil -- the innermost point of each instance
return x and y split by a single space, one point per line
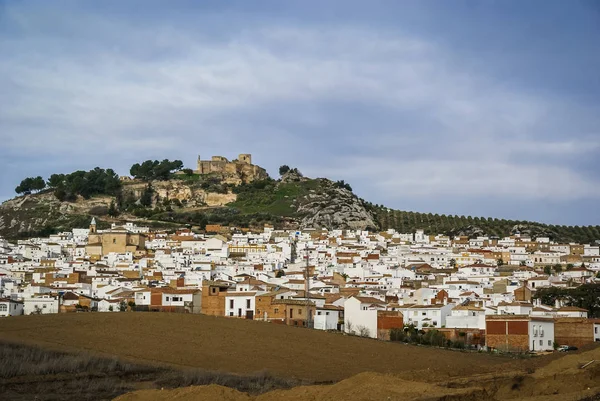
239 346
343 367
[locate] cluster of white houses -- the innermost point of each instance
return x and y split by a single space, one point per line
479 290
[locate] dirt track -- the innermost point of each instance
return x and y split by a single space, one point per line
240 346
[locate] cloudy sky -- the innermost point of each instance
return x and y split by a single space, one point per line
484 108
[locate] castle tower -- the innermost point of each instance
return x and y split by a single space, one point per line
245 158
93 226
199 165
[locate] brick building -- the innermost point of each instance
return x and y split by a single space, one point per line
519 333
213 297
576 331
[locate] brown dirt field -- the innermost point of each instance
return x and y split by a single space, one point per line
560 380
240 346
362 387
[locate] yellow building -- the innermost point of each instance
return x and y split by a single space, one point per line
117 240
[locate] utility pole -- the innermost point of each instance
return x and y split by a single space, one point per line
307 289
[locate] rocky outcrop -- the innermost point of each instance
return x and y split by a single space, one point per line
293 175
334 208
190 194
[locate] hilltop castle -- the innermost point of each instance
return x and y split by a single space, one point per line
240 170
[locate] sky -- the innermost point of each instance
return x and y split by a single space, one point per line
469 107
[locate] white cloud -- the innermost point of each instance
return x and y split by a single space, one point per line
473 136
399 179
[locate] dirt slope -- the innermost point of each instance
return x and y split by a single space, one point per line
362 387
561 380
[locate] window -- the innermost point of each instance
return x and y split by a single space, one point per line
3 308
541 342
423 313
44 306
258 311
247 304
213 290
327 313
549 343
231 303
114 240
276 310
299 311
230 313
168 299
319 313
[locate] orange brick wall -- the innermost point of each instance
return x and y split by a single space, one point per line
511 335
274 312
511 342
575 332
213 304
390 322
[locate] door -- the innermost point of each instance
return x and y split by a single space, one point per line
250 314
239 312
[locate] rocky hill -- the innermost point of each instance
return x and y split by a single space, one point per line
196 200
291 202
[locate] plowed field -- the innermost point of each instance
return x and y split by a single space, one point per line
240 346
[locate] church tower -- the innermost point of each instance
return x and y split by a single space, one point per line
93 226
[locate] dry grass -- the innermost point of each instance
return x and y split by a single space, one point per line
29 372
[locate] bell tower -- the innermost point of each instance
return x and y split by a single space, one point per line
93 226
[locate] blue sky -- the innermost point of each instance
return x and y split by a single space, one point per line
483 108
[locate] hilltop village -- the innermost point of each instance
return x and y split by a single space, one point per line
480 292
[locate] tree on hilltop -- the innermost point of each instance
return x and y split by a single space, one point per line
284 169
30 184
155 170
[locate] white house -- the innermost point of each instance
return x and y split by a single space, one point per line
327 317
240 304
427 315
10 307
572 311
360 315
541 334
109 305
515 308
40 305
466 317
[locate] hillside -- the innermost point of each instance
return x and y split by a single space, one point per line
208 351
291 202
237 345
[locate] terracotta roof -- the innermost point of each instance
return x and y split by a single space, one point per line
572 309
291 302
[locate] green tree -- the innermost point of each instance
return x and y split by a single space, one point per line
112 209
146 199
56 180
155 170
284 169
30 184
